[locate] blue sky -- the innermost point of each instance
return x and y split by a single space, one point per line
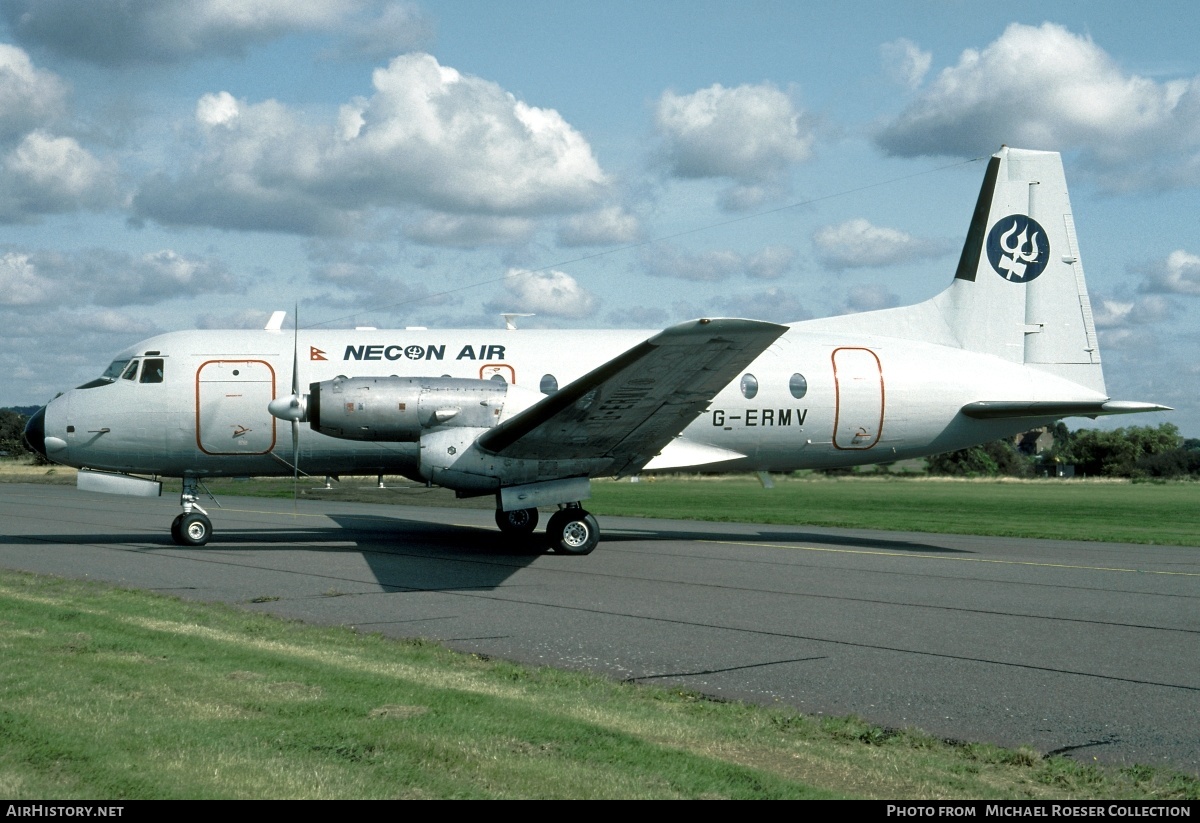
169 165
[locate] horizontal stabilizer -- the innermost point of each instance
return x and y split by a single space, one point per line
1010 409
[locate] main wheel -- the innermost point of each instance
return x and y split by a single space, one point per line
176 532
573 531
519 521
194 530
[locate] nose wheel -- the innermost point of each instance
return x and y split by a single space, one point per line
191 529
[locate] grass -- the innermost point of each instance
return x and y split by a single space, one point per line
1111 511
118 694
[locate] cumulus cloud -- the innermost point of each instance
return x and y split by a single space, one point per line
45 174
428 137
549 293
1114 314
30 98
20 283
1047 88
859 244
1178 274
124 32
771 263
905 62
99 277
712 266
41 172
605 227
749 134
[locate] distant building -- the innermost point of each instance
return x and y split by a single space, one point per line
1035 441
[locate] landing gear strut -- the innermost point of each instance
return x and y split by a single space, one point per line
572 530
192 528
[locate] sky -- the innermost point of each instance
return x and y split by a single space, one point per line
176 164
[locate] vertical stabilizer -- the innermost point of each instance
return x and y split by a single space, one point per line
1019 291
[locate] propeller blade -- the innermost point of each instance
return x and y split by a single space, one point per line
296 351
295 404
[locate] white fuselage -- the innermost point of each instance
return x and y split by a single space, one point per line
822 399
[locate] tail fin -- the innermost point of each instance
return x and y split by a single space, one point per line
1019 291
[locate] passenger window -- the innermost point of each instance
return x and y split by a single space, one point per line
549 384
798 386
130 371
153 370
749 385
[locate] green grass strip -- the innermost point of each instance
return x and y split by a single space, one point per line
118 694
1165 513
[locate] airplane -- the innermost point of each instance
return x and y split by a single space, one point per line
531 416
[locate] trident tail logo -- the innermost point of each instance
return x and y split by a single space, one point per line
1018 248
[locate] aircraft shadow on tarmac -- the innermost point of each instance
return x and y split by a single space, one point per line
403 555
409 555
774 537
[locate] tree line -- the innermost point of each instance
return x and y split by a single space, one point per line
1137 452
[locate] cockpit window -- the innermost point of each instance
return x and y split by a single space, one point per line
130 371
110 374
114 370
152 370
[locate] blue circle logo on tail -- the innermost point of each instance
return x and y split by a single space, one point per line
1018 248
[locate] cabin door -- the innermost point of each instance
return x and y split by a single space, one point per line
858 381
231 407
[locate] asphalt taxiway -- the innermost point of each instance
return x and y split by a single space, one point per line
1087 649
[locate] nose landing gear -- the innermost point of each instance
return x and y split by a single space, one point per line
192 528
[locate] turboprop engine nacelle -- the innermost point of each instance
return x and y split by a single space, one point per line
402 409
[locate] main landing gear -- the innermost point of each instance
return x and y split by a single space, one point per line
570 530
192 528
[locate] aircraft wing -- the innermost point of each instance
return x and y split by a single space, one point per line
628 409
1008 409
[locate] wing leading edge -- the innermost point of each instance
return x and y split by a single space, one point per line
630 408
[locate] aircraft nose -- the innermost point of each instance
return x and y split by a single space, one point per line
35 432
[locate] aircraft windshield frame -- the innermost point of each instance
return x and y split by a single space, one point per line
111 374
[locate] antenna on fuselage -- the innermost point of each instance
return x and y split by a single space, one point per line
510 322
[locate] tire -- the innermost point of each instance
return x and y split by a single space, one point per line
194 530
573 531
519 521
176 532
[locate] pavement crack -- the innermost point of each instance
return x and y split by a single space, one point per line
640 678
